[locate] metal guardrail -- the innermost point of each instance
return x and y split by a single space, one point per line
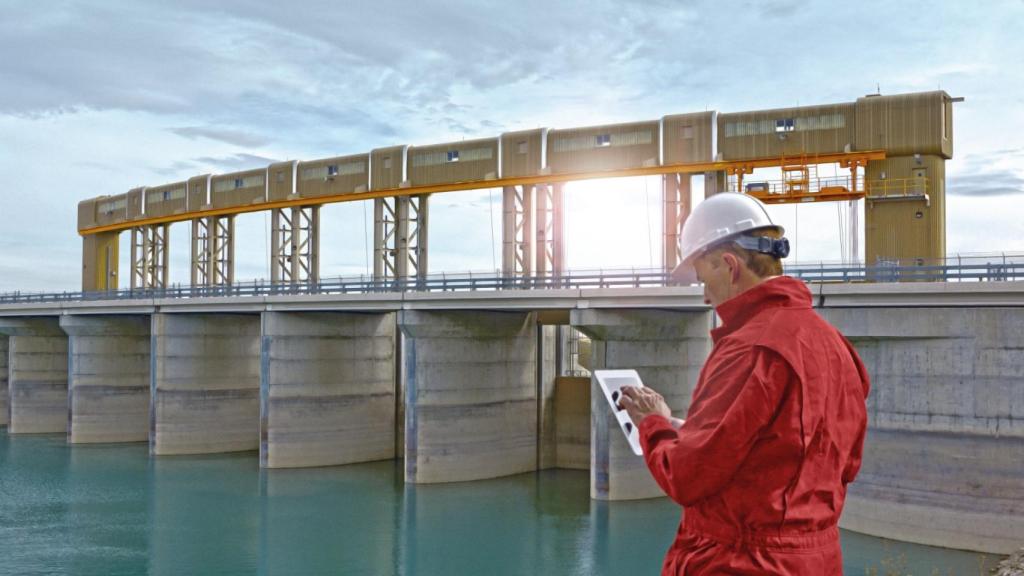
916 273
461 282
1006 269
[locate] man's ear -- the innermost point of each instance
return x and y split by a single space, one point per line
733 262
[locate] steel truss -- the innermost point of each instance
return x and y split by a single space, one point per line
550 224
675 194
295 246
517 231
533 231
400 237
213 251
150 256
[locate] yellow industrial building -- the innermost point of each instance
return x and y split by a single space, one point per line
895 148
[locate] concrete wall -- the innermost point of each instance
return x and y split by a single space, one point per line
108 380
38 375
205 383
945 446
547 373
667 348
327 388
5 406
572 406
471 394
944 449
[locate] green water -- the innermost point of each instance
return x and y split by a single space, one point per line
113 510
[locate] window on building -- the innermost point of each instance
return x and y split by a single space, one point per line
167 195
521 147
453 155
785 125
239 182
604 139
387 162
280 176
332 169
688 132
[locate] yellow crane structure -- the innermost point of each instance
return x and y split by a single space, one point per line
894 147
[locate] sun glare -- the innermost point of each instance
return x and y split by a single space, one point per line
617 223
613 223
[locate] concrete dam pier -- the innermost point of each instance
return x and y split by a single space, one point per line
327 388
466 386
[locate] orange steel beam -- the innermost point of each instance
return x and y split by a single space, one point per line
689 168
823 196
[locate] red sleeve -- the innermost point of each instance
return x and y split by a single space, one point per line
735 404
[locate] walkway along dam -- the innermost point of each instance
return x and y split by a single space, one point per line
470 385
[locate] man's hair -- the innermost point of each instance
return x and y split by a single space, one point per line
761 264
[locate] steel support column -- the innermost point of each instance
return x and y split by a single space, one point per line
550 226
295 250
517 231
854 226
715 182
400 237
676 208
416 211
99 261
150 256
213 251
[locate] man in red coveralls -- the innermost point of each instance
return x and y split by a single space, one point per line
776 424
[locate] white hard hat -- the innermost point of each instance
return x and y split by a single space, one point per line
724 216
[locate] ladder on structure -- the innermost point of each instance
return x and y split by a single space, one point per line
797 178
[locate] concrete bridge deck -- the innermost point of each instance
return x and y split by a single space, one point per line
466 385
911 295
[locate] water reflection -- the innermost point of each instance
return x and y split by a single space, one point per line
321 521
204 511
113 510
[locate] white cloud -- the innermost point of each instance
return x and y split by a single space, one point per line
104 96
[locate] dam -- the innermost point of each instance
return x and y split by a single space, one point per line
476 385
344 421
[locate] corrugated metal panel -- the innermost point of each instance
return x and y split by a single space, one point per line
600 148
87 213
521 153
166 200
386 167
282 180
239 188
198 188
99 261
906 230
688 138
331 176
794 132
111 209
920 123
466 161
135 203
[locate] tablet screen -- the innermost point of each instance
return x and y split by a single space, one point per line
611 383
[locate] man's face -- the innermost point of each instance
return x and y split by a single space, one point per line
717 272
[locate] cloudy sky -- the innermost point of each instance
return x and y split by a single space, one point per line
99 97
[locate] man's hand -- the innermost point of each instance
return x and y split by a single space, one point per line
642 402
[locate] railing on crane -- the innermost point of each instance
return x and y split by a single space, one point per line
898 189
809 188
800 181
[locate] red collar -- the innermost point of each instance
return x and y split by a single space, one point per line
778 292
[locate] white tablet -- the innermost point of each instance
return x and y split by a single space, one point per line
611 382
